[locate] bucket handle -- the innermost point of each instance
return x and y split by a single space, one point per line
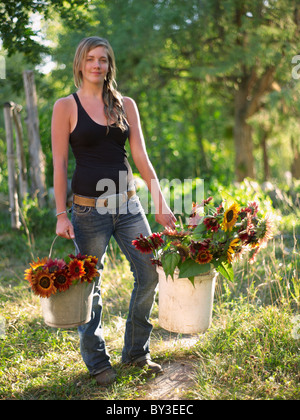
76 246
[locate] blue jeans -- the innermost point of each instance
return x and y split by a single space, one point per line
93 230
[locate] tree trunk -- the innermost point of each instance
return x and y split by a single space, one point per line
295 169
244 161
248 97
37 158
265 156
20 151
13 194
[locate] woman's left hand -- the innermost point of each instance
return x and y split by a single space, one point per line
166 218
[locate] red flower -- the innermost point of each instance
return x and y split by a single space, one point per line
252 209
212 224
143 244
156 262
156 240
62 280
207 201
54 265
196 247
78 256
76 269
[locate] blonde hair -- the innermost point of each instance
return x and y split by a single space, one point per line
113 100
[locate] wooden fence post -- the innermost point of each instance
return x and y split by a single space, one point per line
20 151
37 158
13 195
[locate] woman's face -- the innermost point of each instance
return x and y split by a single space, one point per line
95 66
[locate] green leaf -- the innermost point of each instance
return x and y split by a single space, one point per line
170 261
190 268
199 230
224 268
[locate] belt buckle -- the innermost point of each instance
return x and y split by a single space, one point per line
114 201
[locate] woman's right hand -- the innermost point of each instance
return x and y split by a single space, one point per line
64 227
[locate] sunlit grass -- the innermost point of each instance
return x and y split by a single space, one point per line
249 352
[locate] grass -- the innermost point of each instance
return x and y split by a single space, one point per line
250 352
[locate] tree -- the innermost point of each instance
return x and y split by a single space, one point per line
240 45
15 30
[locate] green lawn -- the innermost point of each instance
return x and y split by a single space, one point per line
250 352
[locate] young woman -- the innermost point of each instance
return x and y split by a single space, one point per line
97 121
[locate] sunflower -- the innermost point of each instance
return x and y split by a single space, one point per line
93 260
29 275
38 263
175 234
204 257
43 283
230 217
211 224
265 231
62 280
55 265
182 250
156 239
34 265
143 245
232 249
76 269
90 271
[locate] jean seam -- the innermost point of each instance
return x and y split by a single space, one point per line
138 285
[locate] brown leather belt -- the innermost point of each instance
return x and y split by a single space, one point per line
112 201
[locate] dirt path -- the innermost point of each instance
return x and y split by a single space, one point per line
173 383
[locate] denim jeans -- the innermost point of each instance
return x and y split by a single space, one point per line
93 229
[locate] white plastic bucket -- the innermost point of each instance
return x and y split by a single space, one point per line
183 307
69 309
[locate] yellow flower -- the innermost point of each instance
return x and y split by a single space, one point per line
230 217
43 283
231 249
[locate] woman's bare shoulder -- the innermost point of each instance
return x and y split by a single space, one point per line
64 104
129 102
131 108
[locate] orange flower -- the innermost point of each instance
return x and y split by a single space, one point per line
43 283
204 257
38 263
93 260
29 274
76 269
90 272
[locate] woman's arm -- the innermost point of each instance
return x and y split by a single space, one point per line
60 130
164 215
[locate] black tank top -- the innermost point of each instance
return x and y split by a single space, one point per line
100 156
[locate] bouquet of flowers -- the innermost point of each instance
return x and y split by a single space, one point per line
47 276
212 236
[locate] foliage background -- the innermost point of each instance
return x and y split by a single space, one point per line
184 62
193 67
